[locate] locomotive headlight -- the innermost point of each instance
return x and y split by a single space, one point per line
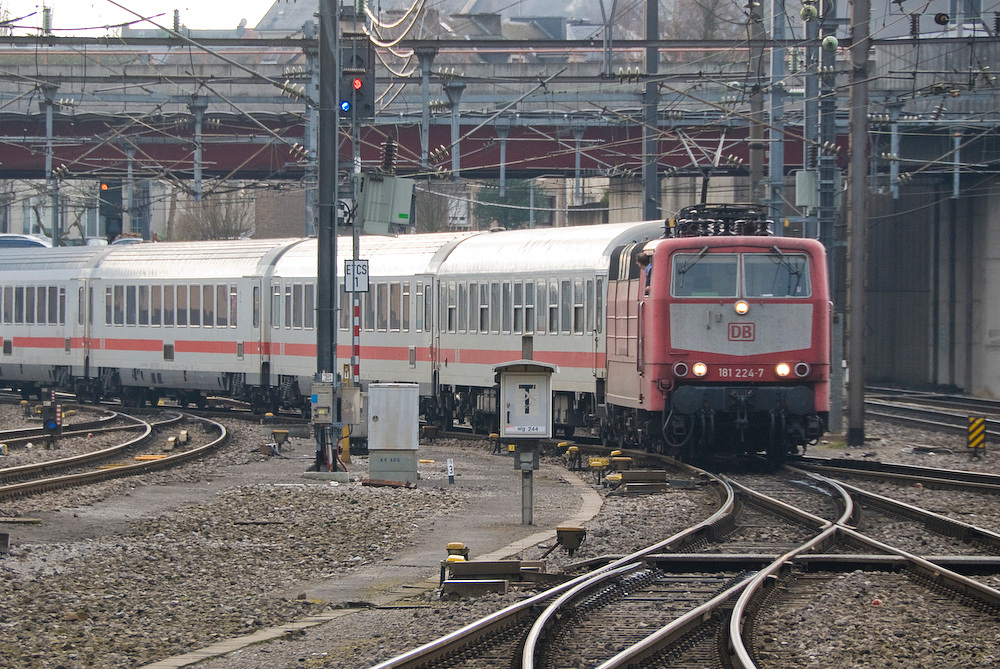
680 369
782 369
699 369
802 370
742 307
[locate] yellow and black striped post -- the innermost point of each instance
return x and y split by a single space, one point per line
977 436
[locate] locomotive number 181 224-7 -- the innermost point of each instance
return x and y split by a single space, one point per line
741 372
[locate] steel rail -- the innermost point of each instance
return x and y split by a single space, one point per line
467 635
33 487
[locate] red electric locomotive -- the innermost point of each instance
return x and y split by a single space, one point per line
719 348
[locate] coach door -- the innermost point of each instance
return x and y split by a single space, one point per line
260 329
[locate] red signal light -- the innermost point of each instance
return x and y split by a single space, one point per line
104 186
357 83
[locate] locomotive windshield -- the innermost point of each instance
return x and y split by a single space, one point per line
773 274
776 274
705 275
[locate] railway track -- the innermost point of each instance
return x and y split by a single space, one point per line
709 596
63 472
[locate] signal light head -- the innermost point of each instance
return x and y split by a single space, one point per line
357 83
345 106
104 186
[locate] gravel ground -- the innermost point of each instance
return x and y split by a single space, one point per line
136 570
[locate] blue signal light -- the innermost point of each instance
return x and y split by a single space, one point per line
345 105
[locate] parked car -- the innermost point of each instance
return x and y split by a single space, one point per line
10 240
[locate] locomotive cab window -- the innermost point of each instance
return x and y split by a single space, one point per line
704 275
776 274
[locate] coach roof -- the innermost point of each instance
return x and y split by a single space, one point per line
580 248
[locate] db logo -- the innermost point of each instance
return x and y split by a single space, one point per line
741 332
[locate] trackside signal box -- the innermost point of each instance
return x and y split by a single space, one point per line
525 399
525 415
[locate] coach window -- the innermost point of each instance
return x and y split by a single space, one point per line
382 306
554 307
296 306
452 307
156 305
80 311
288 306
566 307
495 307
222 306
131 305
8 305
194 307
579 299
182 306
309 296
368 310
518 307
484 308
346 310
168 305
208 306
255 298
508 307
276 306
419 292
463 306
590 302
19 305
473 315
529 308
406 306
542 300
41 305
368 304
119 305
143 305
29 305
395 306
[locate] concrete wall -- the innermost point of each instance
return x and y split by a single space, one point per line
933 281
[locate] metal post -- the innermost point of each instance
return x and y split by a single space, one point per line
650 120
426 58
755 81
502 133
51 184
454 90
128 189
311 130
527 496
198 106
329 121
578 138
857 237
776 155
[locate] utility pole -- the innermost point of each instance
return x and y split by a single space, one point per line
329 124
857 222
755 17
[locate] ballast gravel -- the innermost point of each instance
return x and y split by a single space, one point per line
136 570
